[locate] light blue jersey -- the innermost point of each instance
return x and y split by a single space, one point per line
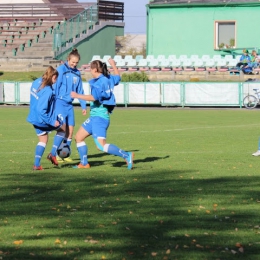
102 90
41 105
69 79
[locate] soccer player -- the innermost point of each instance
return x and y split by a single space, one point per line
69 79
102 103
43 117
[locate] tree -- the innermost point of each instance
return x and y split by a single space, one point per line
123 47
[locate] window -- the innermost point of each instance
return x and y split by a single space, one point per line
225 34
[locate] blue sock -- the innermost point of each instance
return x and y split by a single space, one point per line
114 150
58 138
83 152
40 148
68 142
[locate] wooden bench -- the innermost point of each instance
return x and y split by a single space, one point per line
10 49
20 43
28 38
9 33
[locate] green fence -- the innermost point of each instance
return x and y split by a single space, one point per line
181 94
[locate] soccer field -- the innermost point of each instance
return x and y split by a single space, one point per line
193 193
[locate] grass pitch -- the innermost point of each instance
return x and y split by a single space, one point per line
193 192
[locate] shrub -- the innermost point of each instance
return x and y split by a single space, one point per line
135 77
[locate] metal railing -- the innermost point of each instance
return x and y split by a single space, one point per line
74 27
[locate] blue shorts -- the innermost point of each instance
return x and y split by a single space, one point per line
96 126
42 130
66 111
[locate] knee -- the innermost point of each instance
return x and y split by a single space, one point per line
78 139
99 146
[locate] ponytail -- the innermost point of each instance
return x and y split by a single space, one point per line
100 66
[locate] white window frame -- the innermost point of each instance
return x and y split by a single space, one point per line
216 28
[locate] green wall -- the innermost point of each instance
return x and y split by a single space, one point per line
190 30
100 43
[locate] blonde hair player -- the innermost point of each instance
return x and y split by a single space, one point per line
43 117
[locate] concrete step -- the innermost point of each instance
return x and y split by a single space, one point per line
29 53
42 44
38 53
27 64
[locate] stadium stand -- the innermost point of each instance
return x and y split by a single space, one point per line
161 57
172 57
117 58
26 30
176 66
183 57
228 57
199 65
96 57
216 57
106 58
132 65
194 57
143 65
150 57
204 67
222 65
165 65
38 30
139 57
121 65
205 57
187 65
154 65
128 58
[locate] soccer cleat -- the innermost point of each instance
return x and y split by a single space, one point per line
257 153
37 168
130 161
68 159
53 159
80 166
60 160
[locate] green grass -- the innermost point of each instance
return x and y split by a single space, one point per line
20 76
193 193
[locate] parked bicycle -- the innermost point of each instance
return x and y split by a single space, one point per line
251 101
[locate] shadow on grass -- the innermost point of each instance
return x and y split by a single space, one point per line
95 163
128 216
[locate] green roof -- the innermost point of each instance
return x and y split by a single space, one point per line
204 2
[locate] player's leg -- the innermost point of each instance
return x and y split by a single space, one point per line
99 134
60 115
58 138
70 123
40 148
83 132
257 153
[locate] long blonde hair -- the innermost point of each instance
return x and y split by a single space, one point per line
47 77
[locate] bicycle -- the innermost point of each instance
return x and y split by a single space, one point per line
251 101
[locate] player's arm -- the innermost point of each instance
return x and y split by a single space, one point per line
80 91
82 97
113 65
